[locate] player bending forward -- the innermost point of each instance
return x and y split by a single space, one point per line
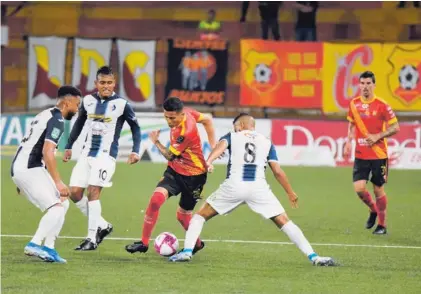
249 152
186 172
34 171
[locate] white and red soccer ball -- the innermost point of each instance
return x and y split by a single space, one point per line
166 244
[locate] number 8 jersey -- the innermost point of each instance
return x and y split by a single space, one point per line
249 152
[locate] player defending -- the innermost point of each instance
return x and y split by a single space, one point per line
249 152
186 172
34 171
368 115
103 114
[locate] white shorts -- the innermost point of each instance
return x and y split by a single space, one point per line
38 187
93 171
257 195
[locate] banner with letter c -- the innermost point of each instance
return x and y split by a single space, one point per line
281 74
89 56
397 68
137 72
46 67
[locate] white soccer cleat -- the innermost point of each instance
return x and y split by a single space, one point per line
324 261
181 257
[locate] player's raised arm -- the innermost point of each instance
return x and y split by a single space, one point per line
131 119
281 177
207 121
74 134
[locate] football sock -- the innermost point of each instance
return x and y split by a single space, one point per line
151 216
297 237
53 234
48 222
193 232
368 200
94 215
184 218
82 204
381 205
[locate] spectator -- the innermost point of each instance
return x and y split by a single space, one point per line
403 3
268 15
210 28
305 28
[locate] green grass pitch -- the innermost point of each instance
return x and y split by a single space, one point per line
330 215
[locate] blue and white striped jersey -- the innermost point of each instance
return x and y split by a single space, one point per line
104 119
249 152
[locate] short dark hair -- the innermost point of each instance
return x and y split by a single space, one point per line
68 90
105 71
212 11
368 74
173 104
239 116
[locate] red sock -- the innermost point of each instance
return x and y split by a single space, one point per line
381 205
366 198
151 216
184 219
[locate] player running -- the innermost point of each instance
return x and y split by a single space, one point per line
103 114
249 152
34 171
371 121
186 172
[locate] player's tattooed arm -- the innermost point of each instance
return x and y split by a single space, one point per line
164 151
390 131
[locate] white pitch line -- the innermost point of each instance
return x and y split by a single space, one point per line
241 241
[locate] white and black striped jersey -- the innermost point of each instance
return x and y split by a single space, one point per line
46 126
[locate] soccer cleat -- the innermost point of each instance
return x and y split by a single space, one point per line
196 248
86 245
32 249
183 256
137 247
54 254
371 220
380 230
102 233
323 261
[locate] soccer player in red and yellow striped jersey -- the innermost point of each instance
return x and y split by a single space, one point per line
186 172
371 121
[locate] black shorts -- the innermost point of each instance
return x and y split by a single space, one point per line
377 167
190 187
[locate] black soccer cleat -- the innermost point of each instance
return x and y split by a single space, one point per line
196 248
102 233
371 220
137 247
86 245
380 230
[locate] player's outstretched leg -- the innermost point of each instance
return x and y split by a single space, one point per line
184 217
193 233
49 222
297 237
152 212
49 244
81 202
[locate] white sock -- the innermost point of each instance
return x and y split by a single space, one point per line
94 215
297 237
50 240
82 204
48 222
193 233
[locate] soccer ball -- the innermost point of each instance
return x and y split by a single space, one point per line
409 77
262 73
166 244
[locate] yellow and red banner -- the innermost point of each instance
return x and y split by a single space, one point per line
397 68
281 74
